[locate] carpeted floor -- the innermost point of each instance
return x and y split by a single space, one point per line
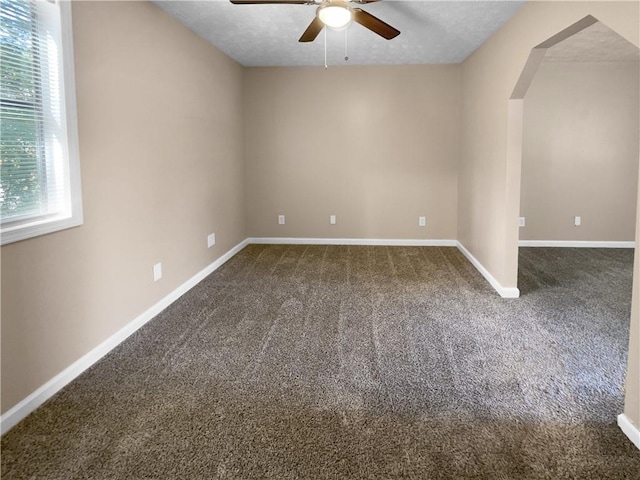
336 362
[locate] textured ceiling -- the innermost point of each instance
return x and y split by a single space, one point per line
596 43
267 35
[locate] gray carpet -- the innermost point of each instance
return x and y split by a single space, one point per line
340 362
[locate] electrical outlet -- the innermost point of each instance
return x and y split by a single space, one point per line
422 221
577 221
521 222
157 272
211 240
281 219
332 219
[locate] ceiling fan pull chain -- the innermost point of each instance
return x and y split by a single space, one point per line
325 48
346 44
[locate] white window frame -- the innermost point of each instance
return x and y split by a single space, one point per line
33 227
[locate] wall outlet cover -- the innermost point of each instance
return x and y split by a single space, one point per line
157 272
211 240
280 219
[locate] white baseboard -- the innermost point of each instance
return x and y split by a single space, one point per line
575 244
12 416
629 429
505 292
353 241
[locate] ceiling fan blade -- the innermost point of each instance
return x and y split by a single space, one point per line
270 2
364 1
374 24
312 31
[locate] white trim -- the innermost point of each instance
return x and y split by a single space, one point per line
575 244
505 292
73 216
10 418
629 429
71 114
352 241
14 415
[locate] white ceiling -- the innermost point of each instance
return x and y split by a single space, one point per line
596 43
444 31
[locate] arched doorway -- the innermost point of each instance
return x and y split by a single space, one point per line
517 139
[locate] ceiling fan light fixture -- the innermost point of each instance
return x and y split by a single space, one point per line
335 16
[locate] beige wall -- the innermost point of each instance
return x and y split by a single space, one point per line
376 146
160 133
632 386
161 145
490 185
580 152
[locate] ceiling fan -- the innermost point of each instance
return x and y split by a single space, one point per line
334 14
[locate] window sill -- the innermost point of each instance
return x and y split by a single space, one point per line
36 228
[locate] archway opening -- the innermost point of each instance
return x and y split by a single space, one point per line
572 165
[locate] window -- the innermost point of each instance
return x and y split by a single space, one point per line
39 168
